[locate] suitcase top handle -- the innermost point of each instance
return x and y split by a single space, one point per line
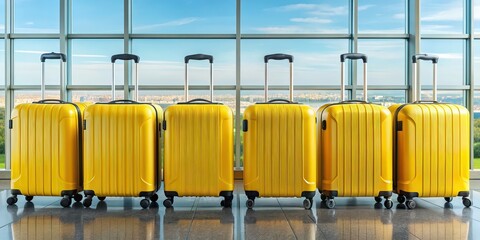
53 55
198 56
416 85
279 56
353 56
125 57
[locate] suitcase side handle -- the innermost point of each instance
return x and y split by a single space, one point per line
123 101
199 56
125 57
50 101
416 85
280 100
279 56
53 55
353 56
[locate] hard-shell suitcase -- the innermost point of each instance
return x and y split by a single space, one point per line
279 147
431 147
198 146
354 147
46 152
122 144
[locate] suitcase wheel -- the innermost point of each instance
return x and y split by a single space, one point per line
467 202
378 199
66 201
323 197
88 201
448 199
145 203
250 203
410 204
168 203
154 197
77 197
330 203
388 203
101 198
12 200
307 203
401 199
28 198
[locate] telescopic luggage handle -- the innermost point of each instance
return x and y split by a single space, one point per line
279 56
198 57
353 56
125 57
416 84
53 55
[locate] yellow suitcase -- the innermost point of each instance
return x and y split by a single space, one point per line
122 144
279 147
354 147
432 147
47 146
198 146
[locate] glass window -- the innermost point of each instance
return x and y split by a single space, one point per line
162 61
27 65
91 16
289 16
91 63
2 63
386 62
476 130
205 16
2 17
450 64
37 16
455 97
384 97
476 59
94 96
33 96
377 16
2 129
316 62
442 16
476 10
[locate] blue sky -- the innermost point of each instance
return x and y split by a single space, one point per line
162 60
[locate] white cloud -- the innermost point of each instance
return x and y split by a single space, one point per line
448 55
89 56
310 20
298 29
453 14
29 23
31 51
399 16
365 7
314 9
173 23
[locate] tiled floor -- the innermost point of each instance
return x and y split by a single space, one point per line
202 218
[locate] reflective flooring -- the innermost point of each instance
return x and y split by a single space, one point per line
203 218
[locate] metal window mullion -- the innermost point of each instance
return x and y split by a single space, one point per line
238 118
469 70
353 47
127 10
68 30
63 46
9 98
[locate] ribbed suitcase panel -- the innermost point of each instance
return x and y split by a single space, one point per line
356 149
199 149
433 149
121 149
45 149
279 150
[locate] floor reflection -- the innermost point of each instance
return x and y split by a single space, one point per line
212 223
